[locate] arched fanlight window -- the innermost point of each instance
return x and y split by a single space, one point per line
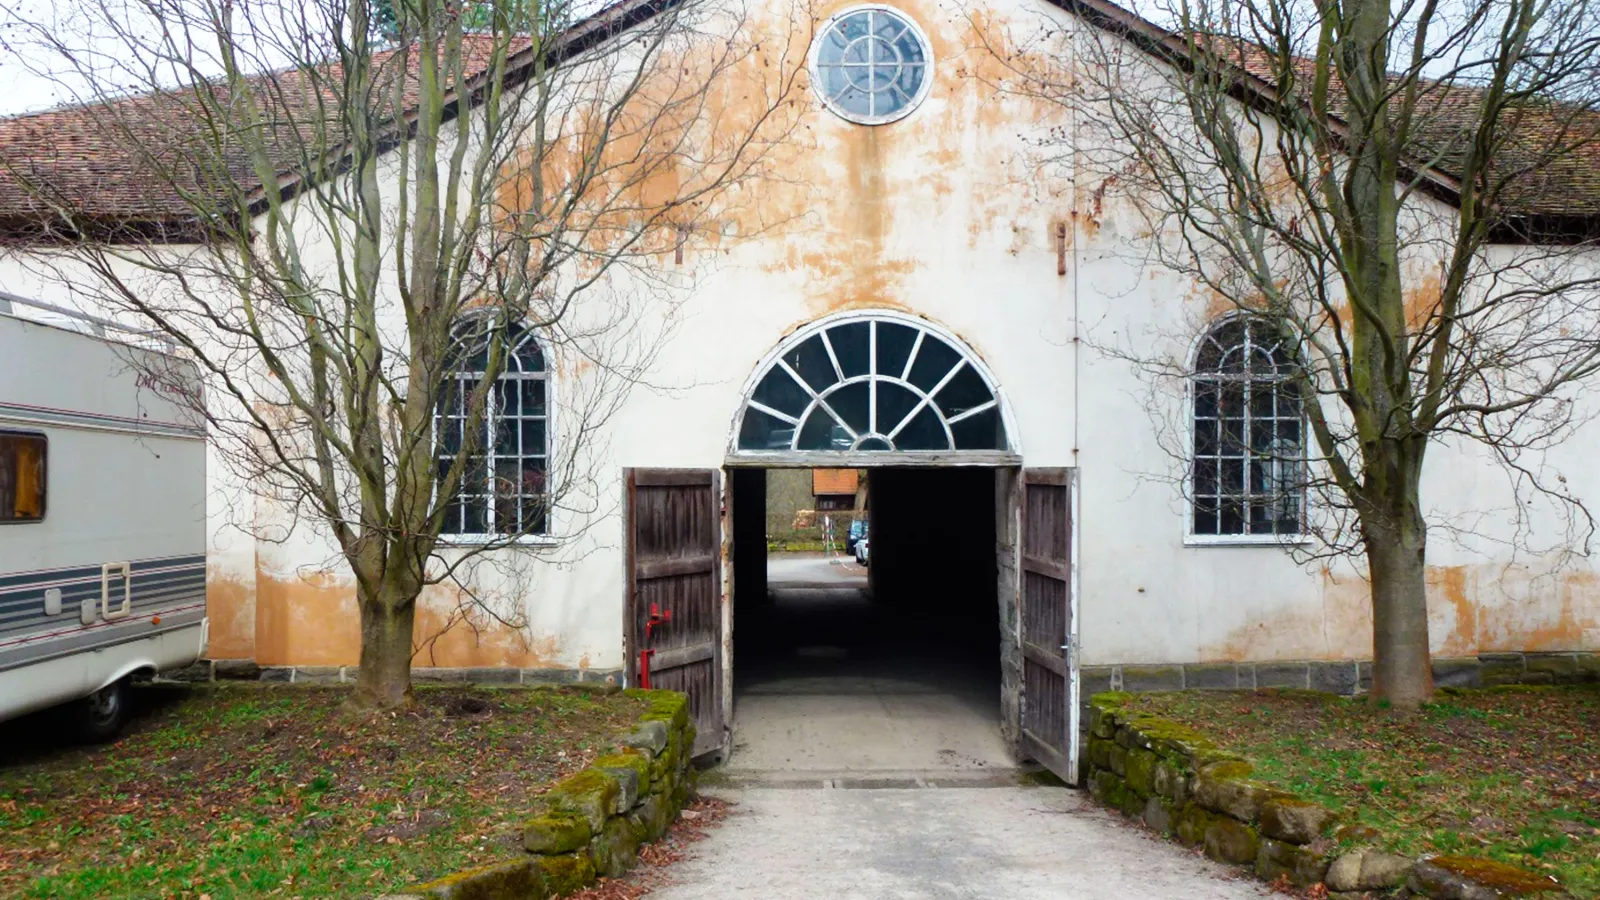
872 384
1248 467
503 488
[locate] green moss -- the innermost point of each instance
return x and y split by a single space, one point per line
511 880
591 794
1510 881
635 760
555 833
566 874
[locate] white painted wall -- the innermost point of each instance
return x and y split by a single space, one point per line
947 215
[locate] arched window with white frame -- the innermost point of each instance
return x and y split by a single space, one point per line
1247 469
504 487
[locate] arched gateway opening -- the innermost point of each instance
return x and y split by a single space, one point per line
886 430
938 652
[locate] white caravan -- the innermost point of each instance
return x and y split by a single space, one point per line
102 514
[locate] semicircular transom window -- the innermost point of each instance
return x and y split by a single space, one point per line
871 65
872 385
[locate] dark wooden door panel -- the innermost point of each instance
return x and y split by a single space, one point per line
675 589
1045 590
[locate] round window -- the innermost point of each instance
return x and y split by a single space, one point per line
871 65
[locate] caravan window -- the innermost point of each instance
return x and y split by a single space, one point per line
21 476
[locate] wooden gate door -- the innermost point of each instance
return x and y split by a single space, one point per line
1049 669
674 626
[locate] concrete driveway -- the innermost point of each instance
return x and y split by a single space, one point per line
814 569
1005 843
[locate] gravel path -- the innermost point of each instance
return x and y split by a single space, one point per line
1006 843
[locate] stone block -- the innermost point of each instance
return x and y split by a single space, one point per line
650 737
1367 870
1457 672
1364 676
317 674
1152 678
1232 842
591 794
565 874
548 676
1221 788
1099 754
1469 878
652 817
1094 680
1294 820
1588 666
198 673
1171 782
1141 771
283 674
1500 668
1118 758
1338 677
1191 823
493 675
615 850
555 833
632 771
439 674
1561 667
1158 815
1211 676
1283 675
235 670
518 879
1302 866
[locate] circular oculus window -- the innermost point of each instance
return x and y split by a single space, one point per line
871 65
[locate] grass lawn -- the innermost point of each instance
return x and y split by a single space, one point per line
1512 774
244 791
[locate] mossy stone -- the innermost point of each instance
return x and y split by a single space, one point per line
1191 824
1230 841
652 817
1117 755
1301 866
1171 782
591 794
631 768
565 874
555 833
1140 772
615 850
1468 878
1294 819
518 879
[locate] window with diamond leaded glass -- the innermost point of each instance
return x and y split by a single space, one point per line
1248 464
503 488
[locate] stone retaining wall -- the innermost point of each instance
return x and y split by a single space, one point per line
1180 784
592 823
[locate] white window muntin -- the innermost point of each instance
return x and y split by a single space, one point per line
833 79
1278 427
515 441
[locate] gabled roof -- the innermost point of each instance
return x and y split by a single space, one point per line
113 164
1553 154
82 154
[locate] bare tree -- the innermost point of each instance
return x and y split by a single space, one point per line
353 213
1399 191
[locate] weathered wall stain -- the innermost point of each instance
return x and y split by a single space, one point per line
231 606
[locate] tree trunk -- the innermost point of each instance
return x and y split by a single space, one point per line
384 679
1402 673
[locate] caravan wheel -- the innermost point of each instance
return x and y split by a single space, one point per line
101 714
